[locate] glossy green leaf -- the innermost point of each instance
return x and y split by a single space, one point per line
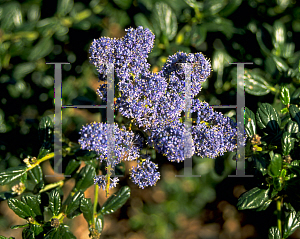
43 48
37 229
36 174
18 226
275 165
264 206
64 7
253 198
5 195
28 234
295 113
11 174
46 129
279 34
260 163
85 155
33 202
54 202
274 233
292 127
231 6
198 35
255 84
20 208
72 166
291 224
61 232
85 177
287 143
141 20
278 184
295 97
268 119
22 69
250 123
99 223
166 19
212 7
11 16
124 4
115 201
280 64
86 208
74 205
285 95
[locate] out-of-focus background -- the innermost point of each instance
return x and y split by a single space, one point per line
33 32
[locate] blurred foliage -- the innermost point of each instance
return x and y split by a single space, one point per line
33 32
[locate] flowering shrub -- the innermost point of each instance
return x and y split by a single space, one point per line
154 102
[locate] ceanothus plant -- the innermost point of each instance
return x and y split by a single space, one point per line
274 160
154 102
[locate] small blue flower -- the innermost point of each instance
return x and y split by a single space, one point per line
94 137
146 174
101 181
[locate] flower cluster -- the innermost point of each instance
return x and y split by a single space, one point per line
156 102
94 138
145 173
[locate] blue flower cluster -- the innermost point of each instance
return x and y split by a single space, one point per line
145 173
156 101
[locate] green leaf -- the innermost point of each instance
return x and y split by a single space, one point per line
54 202
22 69
36 174
279 35
85 155
212 7
198 35
74 205
28 234
285 95
280 64
46 129
43 48
18 226
291 224
268 119
275 165
20 208
255 84
295 113
274 233
295 98
115 201
5 196
85 178
260 163
278 184
99 223
37 229
141 20
166 19
287 143
86 208
292 127
264 206
72 166
123 4
11 174
33 202
64 7
250 125
253 198
230 7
